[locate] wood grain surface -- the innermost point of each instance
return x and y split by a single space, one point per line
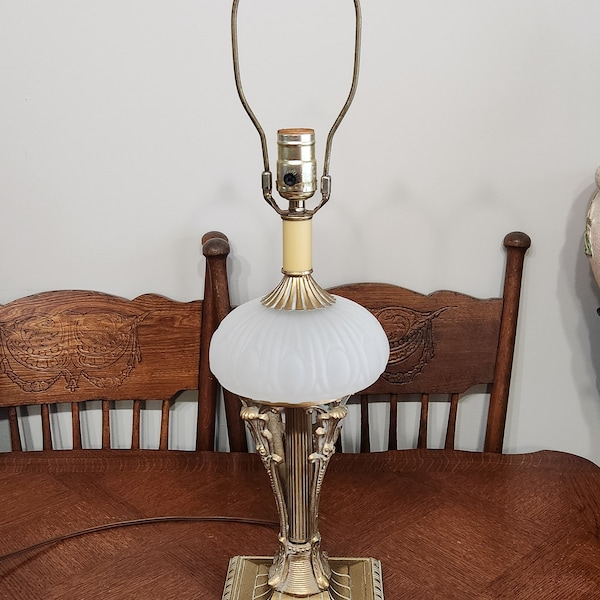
445 524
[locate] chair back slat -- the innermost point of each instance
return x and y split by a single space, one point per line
164 425
76 425
451 427
15 437
100 347
105 424
365 430
393 428
46 428
135 424
74 346
441 346
423 422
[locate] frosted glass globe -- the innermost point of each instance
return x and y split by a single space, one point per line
297 356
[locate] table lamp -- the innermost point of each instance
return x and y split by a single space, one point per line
294 357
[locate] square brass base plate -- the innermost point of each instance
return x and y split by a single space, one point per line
352 579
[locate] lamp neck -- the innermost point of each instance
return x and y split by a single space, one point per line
297 290
297 246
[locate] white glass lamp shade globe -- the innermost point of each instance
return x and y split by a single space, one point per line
306 357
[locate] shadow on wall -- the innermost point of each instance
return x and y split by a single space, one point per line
582 330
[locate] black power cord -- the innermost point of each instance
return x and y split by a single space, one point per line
148 521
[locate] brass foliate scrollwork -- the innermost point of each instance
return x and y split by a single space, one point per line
304 443
266 429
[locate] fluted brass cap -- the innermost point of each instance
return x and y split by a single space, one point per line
298 292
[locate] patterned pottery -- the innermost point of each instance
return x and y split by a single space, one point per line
592 231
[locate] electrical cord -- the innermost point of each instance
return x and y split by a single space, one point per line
147 521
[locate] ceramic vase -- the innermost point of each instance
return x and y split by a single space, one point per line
592 231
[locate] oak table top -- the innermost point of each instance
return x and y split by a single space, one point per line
445 525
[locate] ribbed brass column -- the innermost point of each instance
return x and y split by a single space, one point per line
298 448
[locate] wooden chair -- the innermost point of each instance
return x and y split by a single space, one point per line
442 345
73 347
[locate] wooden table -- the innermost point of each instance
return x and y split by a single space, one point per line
445 524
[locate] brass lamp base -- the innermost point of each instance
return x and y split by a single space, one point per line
351 579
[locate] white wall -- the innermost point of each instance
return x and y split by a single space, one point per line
122 141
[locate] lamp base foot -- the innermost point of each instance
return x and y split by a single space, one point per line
351 579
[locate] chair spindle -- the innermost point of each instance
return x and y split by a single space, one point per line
365 440
338 445
46 431
393 434
15 438
423 421
451 430
135 425
105 424
76 425
164 425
